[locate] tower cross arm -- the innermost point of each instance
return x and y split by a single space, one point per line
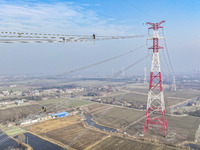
161 22
155 26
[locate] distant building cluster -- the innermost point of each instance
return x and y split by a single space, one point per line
17 97
4 93
61 114
52 91
120 103
39 118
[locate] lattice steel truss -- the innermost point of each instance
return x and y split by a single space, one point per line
155 113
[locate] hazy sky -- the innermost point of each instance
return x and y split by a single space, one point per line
102 17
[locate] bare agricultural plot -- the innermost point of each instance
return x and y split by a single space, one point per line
66 129
15 113
53 124
181 128
118 117
117 143
97 108
66 134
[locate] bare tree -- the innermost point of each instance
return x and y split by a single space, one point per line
21 138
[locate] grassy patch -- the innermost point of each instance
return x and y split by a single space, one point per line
13 131
77 103
66 101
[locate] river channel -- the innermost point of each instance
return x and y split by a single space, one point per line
39 144
92 123
186 103
192 146
6 142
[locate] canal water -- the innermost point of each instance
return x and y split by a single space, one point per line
40 144
192 146
6 142
92 123
186 103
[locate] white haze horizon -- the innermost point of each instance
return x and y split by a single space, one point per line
85 19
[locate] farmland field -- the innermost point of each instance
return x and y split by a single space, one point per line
67 134
139 96
96 108
129 97
53 124
181 129
66 101
65 129
14 113
117 143
185 94
116 117
172 98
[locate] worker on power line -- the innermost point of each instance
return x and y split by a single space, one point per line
44 109
94 37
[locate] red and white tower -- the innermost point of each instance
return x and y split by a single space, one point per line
155 113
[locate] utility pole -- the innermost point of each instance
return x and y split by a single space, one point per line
155 113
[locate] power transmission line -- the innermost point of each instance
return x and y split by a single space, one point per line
170 64
164 70
16 37
130 66
166 62
26 39
139 9
173 87
85 130
100 62
22 34
169 57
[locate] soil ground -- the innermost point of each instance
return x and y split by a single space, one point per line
15 113
181 128
53 124
69 133
118 117
66 129
117 143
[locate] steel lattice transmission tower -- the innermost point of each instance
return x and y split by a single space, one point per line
155 113
173 88
145 76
